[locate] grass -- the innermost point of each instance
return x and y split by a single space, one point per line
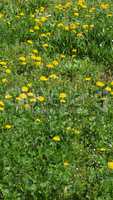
56 98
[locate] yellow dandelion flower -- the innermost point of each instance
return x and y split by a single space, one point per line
60 25
25 89
8 96
23 96
62 95
31 30
8 126
37 120
36 58
62 100
87 78
29 41
50 65
55 62
56 138
76 14
100 84
36 28
41 98
66 163
108 89
3 63
53 76
104 6
80 34
35 51
1 104
62 55
30 94
23 63
22 58
43 78
4 80
110 165
1 108
8 71
111 92
43 19
109 14
45 45
21 14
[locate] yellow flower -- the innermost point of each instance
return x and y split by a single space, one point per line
74 50
109 14
85 26
43 19
37 120
8 126
100 84
80 34
8 71
23 96
53 76
36 28
8 96
102 149
36 58
50 65
23 63
62 55
87 78
25 89
60 25
1 108
31 30
108 89
66 163
76 14
56 138
4 80
43 78
26 106
30 94
35 51
62 100
104 6
41 98
45 45
55 62
29 41
62 95
110 164
21 14
22 58
3 63
1 104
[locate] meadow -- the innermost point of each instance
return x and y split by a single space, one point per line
56 98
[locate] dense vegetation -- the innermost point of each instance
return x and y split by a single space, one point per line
56 98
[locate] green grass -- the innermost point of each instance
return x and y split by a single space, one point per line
56 99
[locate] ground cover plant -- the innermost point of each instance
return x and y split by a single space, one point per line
56 98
